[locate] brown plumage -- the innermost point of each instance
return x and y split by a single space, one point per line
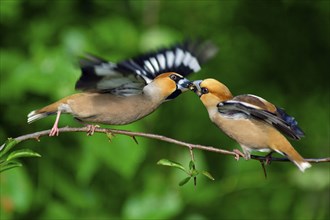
123 92
253 122
106 108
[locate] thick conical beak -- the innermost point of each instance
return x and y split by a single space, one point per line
195 87
183 84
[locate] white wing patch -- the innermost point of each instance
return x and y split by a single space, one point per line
170 58
187 59
148 66
194 65
236 116
161 60
179 55
154 63
242 103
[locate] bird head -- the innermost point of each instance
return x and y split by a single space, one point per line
210 91
170 85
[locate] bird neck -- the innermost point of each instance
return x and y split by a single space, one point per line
210 101
153 94
212 110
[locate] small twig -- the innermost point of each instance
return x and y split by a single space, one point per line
135 140
132 134
192 154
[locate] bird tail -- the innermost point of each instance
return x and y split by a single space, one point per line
43 112
286 148
52 109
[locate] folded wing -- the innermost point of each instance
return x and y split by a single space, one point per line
250 106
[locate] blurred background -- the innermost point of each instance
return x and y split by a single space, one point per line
278 50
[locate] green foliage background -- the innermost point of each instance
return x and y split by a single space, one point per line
275 49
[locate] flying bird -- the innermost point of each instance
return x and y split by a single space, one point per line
124 92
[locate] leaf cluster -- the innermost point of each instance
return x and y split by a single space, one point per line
8 158
191 172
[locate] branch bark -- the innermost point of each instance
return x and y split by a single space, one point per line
132 134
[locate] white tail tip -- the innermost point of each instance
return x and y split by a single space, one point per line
303 165
34 116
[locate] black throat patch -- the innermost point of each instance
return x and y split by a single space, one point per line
175 94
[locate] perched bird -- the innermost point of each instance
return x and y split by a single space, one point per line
121 93
253 122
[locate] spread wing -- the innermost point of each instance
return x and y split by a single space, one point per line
128 77
249 106
99 75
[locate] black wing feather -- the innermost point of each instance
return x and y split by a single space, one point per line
199 52
131 75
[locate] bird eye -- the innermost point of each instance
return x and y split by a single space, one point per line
175 78
204 90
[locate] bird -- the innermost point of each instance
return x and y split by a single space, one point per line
123 92
252 121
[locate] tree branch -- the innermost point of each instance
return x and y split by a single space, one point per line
132 134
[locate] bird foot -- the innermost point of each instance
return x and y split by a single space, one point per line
54 132
268 158
238 154
91 129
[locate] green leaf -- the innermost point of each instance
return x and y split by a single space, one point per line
191 165
9 144
22 153
207 174
184 181
166 162
9 165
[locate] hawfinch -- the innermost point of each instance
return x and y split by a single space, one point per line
121 93
253 122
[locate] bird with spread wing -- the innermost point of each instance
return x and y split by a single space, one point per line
124 92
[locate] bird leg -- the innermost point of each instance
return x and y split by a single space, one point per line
238 154
55 131
266 161
90 128
269 158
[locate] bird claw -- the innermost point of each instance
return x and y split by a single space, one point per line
238 154
268 158
91 129
54 132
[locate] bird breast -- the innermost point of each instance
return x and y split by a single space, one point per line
110 109
248 132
